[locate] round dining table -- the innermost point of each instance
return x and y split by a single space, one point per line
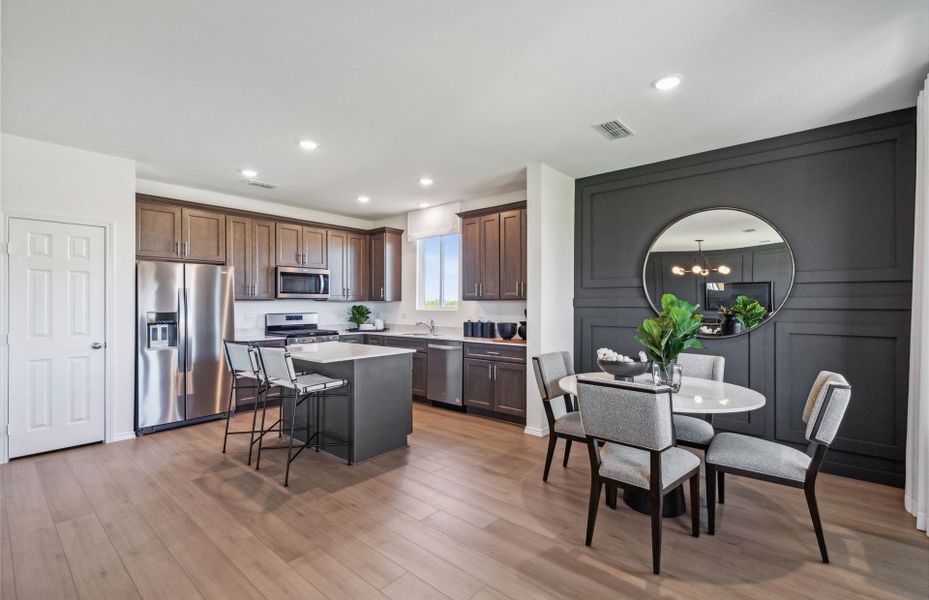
696 397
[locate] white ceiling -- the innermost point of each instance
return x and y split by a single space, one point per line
465 92
720 229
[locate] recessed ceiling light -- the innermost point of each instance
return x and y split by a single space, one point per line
424 205
364 199
308 145
425 181
667 83
249 173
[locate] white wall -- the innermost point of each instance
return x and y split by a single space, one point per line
550 273
45 180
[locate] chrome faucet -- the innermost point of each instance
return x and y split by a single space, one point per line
430 325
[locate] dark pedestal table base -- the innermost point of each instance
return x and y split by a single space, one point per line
674 505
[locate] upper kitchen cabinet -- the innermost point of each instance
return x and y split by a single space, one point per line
250 248
386 248
493 251
347 254
179 232
301 246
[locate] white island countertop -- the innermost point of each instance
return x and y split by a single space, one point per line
331 352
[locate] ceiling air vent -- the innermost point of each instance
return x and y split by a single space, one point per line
613 130
261 184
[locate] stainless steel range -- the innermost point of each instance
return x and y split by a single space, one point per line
298 328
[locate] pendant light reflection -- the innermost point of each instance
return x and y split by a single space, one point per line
701 265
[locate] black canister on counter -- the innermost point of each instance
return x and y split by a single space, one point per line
469 328
490 329
478 329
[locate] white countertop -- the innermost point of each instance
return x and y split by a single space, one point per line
331 352
443 336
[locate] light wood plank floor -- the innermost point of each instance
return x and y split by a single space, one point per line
461 514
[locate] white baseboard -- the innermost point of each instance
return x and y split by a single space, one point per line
536 431
120 437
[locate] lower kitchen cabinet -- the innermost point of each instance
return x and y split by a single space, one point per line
497 381
420 360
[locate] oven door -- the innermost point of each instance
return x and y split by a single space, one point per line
296 282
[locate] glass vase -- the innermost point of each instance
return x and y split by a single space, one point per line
668 374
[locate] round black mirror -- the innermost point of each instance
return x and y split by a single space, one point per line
735 264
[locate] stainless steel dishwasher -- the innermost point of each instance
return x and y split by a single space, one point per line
443 380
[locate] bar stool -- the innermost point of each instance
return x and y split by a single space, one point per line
242 361
277 369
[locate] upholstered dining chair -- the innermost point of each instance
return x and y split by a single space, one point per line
695 432
634 421
549 369
769 461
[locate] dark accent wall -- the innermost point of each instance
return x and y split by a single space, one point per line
843 197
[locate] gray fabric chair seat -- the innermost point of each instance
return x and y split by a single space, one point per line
758 456
693 430
314 382
570 424
633 466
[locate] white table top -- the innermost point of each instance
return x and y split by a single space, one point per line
330 352
697 396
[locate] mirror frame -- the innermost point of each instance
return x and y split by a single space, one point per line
793 270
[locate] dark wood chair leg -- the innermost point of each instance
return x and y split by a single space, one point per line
567 452
711 499
721 484
695 505
810 492
595 487
611 495
552 440
657 518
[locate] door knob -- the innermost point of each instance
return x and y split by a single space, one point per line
96 345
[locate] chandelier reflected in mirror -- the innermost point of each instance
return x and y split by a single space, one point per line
700 265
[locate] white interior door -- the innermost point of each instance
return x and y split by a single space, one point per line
57 352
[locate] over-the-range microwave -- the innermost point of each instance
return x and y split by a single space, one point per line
301 282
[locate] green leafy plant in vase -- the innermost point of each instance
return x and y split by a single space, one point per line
728 324
749 312
359 315
665 336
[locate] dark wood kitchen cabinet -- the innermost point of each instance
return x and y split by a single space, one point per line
250 248
493 253
420 360
347 265
301 246
494 379
386 249
180 233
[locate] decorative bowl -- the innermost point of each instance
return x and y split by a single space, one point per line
506 330
623 370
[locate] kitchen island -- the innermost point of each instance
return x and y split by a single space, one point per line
380 406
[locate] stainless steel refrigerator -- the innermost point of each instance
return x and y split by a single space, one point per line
184 312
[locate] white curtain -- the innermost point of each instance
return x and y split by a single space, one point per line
916 498
430 222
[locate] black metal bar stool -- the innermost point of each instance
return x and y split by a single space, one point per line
242 361
308 389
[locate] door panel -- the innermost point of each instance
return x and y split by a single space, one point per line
378 267
356 275
337 241
524 243
262 277
209 322
314 248
57 312
289 245
158 230
511 255
470 258
490 257
478 383
239 255
419 373
510 389
204 235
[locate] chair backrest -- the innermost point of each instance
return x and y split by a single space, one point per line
634 414
549 369
825 407
705 366
278 366
241 360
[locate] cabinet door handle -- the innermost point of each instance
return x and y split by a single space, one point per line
490 372
382 292
186 248
493 353
177 248
495 371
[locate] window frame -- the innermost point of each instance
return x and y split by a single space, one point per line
420 280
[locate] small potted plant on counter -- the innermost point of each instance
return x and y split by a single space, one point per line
748 312
674 330
359 315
